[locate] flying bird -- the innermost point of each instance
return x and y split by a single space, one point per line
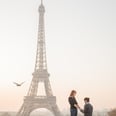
18 84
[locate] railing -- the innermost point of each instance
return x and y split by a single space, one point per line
40 99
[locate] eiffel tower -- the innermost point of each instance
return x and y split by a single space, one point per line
33 101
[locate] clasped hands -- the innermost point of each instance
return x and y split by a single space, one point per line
77 106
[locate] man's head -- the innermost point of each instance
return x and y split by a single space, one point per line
86 99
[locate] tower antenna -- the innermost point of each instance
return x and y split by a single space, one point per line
41 1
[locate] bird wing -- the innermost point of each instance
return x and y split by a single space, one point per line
15 83
22 83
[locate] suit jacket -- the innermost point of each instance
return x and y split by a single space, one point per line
88 109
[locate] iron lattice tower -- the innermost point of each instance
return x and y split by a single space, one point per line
33 101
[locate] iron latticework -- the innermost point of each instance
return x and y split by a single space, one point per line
33 101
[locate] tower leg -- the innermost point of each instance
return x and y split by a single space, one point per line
24 111
56 111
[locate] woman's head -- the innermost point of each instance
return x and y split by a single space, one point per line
73 93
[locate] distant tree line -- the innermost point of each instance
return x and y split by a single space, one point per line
6 114
112 112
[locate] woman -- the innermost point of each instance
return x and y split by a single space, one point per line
73 103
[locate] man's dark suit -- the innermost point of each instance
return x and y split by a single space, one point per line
88 110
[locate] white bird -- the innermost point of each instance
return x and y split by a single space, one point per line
18 84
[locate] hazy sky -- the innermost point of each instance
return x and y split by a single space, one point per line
81 50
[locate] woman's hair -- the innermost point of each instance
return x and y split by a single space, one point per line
72 93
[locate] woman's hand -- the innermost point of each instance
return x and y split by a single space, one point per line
75 105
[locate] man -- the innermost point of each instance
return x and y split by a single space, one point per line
88 108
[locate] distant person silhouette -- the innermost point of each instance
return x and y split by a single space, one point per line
88 108
73 103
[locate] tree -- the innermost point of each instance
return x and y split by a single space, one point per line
6 114
112 112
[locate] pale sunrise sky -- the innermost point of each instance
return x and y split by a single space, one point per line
81 50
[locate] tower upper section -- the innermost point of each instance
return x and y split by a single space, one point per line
41 7
41 63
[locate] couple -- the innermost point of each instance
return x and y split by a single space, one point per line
88 108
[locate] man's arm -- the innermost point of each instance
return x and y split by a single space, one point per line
85 110
82 110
